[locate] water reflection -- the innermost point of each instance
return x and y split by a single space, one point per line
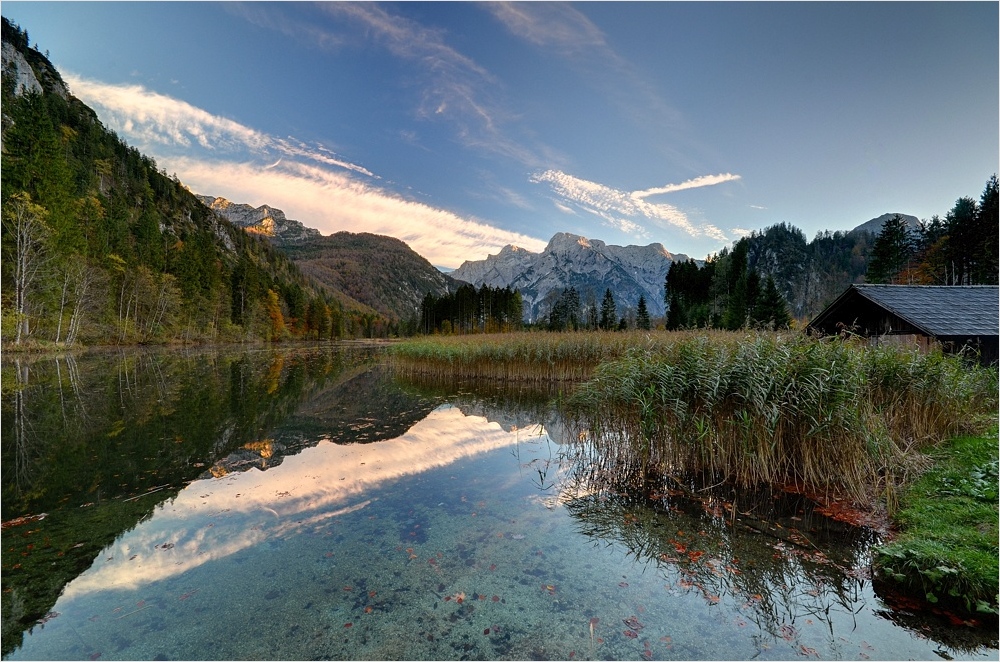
314 508
213 519
92 443
772 557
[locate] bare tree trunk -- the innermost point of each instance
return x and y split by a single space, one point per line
83 284
62 305
62 400
26 223
74 381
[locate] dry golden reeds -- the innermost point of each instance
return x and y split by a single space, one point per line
844 418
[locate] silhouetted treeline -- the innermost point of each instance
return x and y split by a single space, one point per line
471 310
960 249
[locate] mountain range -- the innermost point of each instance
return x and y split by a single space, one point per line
589 265
375 273
179 265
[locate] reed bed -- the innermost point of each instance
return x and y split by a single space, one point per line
839 418
519 357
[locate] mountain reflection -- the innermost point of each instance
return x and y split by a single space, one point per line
92 443
215 518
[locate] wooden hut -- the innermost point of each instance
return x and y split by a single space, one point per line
958 317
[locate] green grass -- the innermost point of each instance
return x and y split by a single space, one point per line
947 551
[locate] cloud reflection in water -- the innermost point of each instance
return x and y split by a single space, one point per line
215 518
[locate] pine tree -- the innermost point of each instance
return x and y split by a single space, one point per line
964 237
609 312
771 309
986 267
892 251
642 315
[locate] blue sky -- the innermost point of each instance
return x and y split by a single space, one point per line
463 127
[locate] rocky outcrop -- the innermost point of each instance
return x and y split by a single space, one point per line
569 260
264 220
15 66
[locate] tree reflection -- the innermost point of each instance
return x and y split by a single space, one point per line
95 442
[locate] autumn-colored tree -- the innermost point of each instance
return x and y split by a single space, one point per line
277 318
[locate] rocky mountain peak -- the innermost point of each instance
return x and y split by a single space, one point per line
264 220
564 242
30 79
570 260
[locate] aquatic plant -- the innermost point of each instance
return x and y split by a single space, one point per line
841 418
518 357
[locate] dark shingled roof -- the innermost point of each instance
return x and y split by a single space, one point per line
941 311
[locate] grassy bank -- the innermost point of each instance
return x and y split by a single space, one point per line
947 549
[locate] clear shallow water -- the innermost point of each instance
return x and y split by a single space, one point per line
472 533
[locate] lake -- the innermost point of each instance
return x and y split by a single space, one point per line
301 503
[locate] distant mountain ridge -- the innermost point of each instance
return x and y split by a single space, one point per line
379 271
874 226
570 260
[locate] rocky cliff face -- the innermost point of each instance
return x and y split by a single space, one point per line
265 220
569 260
15 66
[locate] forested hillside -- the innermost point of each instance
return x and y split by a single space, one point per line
101 246
382 273
778 265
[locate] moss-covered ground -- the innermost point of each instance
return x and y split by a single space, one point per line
947 550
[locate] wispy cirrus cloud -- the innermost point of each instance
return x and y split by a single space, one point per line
152 118
550 24
697 182
561 28
627 210
452 86
312 184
